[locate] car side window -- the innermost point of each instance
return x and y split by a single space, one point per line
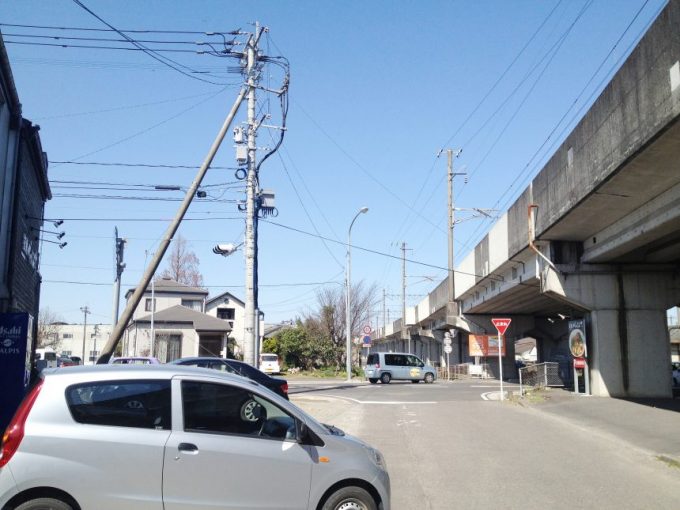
391 359
412 361
224 409
140 404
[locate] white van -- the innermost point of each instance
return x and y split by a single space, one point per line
46 355
269 363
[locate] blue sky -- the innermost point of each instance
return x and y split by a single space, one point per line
377 89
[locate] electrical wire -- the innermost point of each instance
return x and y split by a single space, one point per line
152 53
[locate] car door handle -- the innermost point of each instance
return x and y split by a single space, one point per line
187 448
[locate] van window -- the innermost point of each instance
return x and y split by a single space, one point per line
141 404
398 360
270 357
373 359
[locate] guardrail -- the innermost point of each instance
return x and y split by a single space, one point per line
540 375
464 371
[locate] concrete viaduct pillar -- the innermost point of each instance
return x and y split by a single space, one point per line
628 340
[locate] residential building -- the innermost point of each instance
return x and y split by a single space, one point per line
173 315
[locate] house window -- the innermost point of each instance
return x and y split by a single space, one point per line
66 354
226 314
147 304
68 335
194 304
94 355
167 347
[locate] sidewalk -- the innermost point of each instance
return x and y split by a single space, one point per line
649 425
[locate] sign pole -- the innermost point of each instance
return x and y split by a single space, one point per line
500 362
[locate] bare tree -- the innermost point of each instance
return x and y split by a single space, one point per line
183 264
330 320
48 329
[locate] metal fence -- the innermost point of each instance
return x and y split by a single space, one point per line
540 375
464 371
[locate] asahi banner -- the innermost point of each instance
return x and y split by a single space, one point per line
15 362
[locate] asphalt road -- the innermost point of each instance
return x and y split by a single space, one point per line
448 447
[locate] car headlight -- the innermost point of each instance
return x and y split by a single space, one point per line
376 457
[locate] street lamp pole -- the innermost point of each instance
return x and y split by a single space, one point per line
348 325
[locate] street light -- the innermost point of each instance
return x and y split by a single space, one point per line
348 300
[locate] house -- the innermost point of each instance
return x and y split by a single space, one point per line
24 189
173 315
231 309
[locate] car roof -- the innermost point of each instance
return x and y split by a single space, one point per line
109 372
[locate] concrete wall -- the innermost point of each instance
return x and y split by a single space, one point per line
633 108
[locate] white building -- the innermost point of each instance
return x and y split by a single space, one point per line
70 340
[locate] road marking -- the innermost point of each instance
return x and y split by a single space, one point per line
372 402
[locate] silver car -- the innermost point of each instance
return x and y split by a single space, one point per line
397 366
173 437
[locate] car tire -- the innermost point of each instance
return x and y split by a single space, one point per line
372 380
44 504
429 378
248 411
350 498
385 378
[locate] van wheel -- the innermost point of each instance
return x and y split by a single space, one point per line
44 504
429 378
385 378
350 498
372 380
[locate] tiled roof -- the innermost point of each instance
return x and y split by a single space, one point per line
182 314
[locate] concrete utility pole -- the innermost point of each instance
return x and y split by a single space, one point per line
384 317
120 266
136 297
452 222
250 354
85 311
403 296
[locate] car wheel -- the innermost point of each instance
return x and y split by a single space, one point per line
251 410
429 378
385 378
44 504
372 380
350 498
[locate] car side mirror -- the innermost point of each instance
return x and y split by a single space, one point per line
307 436
421 364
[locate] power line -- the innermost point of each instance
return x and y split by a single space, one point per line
143 165
129 31
152 53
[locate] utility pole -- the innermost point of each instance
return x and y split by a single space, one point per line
452 222
85 311
250 241
384 317
404 333
120 266
119 328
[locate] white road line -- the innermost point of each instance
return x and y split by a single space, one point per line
372 402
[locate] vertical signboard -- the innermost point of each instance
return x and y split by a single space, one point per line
15 362
579 350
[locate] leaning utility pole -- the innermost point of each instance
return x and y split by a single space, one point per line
136 297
